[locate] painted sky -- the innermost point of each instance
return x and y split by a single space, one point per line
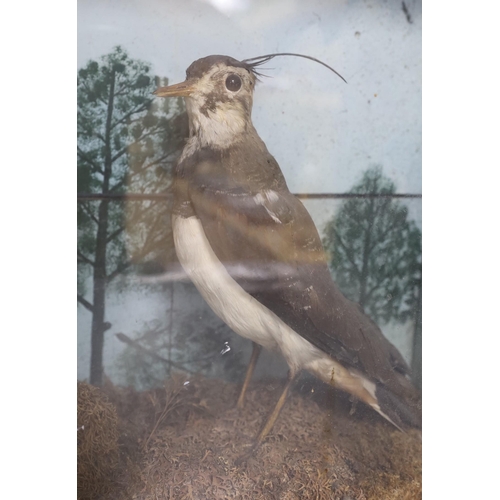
323 132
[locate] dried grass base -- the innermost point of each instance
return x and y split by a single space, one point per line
183 442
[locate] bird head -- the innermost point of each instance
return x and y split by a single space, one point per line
218 91
219 95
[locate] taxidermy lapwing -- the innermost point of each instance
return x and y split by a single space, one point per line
255 255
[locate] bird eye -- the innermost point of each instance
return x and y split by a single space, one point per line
233 83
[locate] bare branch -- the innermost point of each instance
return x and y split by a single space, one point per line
101 137
127 340
119 269
118 185
115 233
128 146
159 160
85 259
139 109
84 156
85 303
89 212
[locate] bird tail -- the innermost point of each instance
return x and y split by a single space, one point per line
401 412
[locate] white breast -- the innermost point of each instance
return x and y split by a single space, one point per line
249 318
244 314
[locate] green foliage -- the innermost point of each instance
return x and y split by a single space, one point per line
375 251
125 140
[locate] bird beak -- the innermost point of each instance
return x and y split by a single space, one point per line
184 89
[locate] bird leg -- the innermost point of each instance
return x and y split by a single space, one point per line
269 422
277 409
251 366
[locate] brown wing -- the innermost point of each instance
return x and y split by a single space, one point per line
270 246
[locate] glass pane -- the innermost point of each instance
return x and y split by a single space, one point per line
164 347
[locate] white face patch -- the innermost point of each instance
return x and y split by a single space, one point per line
221 123
219 129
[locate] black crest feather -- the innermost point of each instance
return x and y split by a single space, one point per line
255 62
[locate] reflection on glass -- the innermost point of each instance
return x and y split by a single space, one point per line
166 372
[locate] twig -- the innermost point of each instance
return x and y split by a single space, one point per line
127 340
